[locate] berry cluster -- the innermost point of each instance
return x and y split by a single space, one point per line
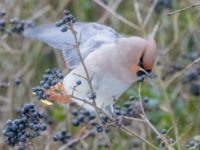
62 136
82 116
18 26
162 4
14 25
4 84
28 126
159 140
191 55
2 21
194 143
66 21
192 75
50 78
171 69
131 107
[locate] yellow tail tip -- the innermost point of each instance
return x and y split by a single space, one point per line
46 102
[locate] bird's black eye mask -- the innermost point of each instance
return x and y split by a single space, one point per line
141 64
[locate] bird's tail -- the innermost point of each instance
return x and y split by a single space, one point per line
57 94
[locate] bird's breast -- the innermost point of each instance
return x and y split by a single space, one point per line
105 85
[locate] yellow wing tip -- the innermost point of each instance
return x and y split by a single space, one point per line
46 102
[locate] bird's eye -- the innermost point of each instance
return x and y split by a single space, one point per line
141 64
141 73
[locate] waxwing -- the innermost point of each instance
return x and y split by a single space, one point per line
114 62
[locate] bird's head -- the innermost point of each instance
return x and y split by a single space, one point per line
146 58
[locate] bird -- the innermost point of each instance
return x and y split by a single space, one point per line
113 62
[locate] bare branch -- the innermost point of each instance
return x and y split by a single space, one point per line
183 9
117 15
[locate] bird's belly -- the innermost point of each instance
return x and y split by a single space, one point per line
109 90
106 87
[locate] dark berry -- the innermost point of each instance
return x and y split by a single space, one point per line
2 13
61 136
46 86
195 89
75 122
99 128
66 12
64 29
17 81
78 82
2 23
92 96
48 71
163 131
60 23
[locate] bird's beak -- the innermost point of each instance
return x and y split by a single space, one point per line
141 73
146 73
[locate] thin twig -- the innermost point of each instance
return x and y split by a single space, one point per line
183 9
175 36
81 58
117 15
130 132
170 111
138 13
87 134
178 74
114 7
150 13
88 78
144 116
40 13
133 119
123 128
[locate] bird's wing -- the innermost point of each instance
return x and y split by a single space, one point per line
90 35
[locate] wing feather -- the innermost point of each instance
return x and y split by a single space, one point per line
91 36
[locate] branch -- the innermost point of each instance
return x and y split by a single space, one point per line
129 23
178 74
88 79
80 57
183 9
144 116
130 132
